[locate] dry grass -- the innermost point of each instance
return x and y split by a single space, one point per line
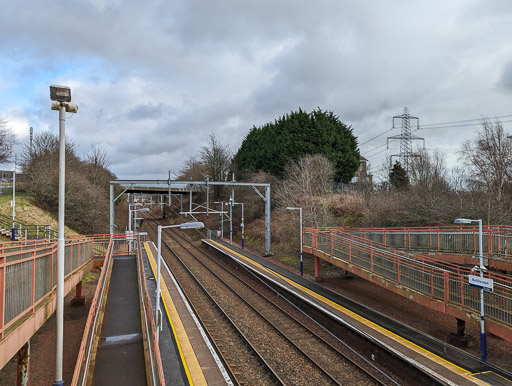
28 213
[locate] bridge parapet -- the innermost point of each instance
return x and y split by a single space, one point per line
443 287
496 239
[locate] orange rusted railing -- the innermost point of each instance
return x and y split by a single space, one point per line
28 274
82 363
444 282
496 239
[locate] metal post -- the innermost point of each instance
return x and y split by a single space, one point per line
243 226
158 312
13 234
231 221
483 340
267 221
111 208
300 215
190 200
60 247
169 193
207 196
31 136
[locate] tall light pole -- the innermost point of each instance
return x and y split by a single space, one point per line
61 96
158 312
483 340
13 234
300 219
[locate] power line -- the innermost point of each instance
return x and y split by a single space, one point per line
466 120
465 95
454 126
377 136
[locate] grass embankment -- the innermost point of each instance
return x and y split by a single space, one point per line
28 213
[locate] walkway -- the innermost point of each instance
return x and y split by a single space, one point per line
120 355
441 287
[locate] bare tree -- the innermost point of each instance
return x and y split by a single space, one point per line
6 141
193 169
489 158
217 160
307 182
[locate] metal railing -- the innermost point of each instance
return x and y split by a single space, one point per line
497 239
28 274
436 282
27 232
99 299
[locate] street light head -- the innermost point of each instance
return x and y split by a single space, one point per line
142 210
60 93
70 107
192 225
462 221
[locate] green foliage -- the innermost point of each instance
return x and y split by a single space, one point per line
398 177
270 147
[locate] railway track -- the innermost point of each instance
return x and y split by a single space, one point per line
280 343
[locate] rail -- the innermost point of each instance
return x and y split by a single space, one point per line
496 239
422 276
28 274
27 232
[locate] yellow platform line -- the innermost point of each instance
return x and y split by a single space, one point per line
188 357
443 362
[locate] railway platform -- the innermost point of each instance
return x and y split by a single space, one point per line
187 355
443 363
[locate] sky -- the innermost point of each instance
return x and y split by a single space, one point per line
153 79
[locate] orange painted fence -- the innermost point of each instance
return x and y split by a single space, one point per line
437 281
28 274
496 239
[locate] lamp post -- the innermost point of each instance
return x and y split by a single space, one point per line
483 340
300 219
242 224
60 97
13 234
158 312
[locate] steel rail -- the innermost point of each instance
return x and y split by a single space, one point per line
218 309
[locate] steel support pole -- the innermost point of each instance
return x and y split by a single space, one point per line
231 222
13 234
111 208
243 226
60 248
483 339
301 269
267 221
158 312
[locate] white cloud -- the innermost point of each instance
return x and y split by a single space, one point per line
152 79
